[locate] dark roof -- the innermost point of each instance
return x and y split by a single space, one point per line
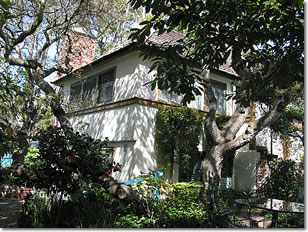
172 37
167 37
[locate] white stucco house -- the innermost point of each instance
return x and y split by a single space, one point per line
118 104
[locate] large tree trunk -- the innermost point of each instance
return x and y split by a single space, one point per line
212 166
225 139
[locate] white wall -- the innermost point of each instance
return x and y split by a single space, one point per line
131 131
273 143
130 128
131 77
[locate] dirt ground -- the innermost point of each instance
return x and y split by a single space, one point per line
9 208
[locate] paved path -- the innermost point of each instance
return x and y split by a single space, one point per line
9 208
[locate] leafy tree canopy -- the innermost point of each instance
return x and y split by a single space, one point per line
31 34
264 41
291 122
261 40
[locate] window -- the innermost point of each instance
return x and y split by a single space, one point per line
105 87
96 89
89 91
76 93
219 90
165 96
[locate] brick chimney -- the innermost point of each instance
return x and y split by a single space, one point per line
78 47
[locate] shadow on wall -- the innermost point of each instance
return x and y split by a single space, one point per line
131 131
129 128
131 81
142 155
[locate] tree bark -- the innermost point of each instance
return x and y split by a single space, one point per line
212 166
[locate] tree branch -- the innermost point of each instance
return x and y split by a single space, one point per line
235 123
211 124
255 127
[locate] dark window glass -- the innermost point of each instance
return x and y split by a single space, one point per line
75 93
105 87
88 95
219 90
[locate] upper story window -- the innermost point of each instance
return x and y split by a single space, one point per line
93 90
174 98
219 90
105 87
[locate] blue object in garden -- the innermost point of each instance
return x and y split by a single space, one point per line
34 144
6 160
129 182
156 175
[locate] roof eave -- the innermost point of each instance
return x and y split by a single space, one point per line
96 62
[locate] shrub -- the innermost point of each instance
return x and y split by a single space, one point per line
95 209
66 161
182 205
183 208
283 182
65 164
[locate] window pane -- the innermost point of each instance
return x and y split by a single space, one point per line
88 95
165 96
219 89
75 93
105 86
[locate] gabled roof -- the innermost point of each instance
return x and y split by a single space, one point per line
167 37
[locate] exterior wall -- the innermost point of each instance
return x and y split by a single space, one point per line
274 144
131 77
130 130
199 103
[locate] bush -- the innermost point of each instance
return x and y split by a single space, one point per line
95 208
182 205
133 221
64 165
183 208
283 182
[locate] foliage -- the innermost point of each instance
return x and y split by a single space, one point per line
133 221
283 182
95 209
291 122
184 208
177 135
23 110
266 37
32 156
181 205
7 177
260 42
66 161
293 220
302 158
